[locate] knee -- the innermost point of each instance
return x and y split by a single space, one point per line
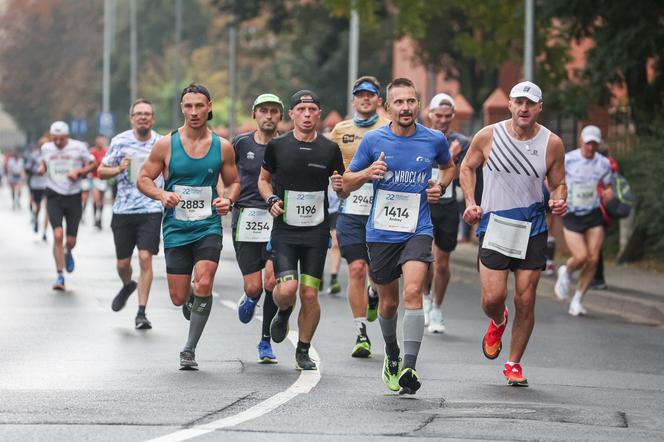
58 235
203 284
592 260
525 302
177 297
441 268
253 288
124 265
269 282
357 269
145 261
581 256
412 291
308 296
492 300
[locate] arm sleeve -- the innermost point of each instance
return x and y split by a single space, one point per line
362 158
269 160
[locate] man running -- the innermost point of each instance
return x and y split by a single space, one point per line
136 220
354 211
296 172
516 155
37 185
191 160
99 185
444 215
252 222
398 158
66 161
583 226
15 175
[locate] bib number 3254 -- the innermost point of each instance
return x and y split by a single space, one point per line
196 203
396 211
304 209
253 225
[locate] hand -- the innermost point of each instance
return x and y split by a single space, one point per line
377 168
170 199
558 207
455 148
74 175
41 170
337 181
124 163
223 205
433 192
277 209
607 194
472 214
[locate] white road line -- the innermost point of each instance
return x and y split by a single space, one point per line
302 385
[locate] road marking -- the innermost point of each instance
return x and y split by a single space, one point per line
302 385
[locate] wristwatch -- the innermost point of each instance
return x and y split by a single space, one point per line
272 200
442 189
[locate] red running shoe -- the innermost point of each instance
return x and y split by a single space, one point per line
514 375
491 343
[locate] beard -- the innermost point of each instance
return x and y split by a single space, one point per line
406 125
143 131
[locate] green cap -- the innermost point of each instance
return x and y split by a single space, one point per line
267 98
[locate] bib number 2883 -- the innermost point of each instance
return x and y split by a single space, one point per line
196 203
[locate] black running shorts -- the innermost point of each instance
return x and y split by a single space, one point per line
310 256
353 252
140 230
535 256
445 220
64 206
37 194
386 259
182 259
582 223
251 256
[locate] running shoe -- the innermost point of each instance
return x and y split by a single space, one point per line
391 372
121 298
577 309
303 361
246 307
561 289
409 381
550 269
44 237
265 355
142 323
69 261
187 306
514 375
279 327
372 305
362 347
598 284
492 343
436 324
59 283
335 287
426 307
188 360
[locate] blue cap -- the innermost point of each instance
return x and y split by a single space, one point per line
366 86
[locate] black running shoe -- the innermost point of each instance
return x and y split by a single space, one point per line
121 298
188 360
303 361
187 306
409 381
362 347
279 327
142 323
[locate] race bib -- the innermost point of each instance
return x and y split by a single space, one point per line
135 165
507 236
435 172
59 169
253 225
196 203
304 209
582 195
359 202
396 211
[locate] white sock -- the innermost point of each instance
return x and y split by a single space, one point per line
360 325
436 306
578 296
511 364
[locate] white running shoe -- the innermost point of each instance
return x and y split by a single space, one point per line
561 289
576 309
426 307
436 324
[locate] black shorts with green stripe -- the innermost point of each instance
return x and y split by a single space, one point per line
306 253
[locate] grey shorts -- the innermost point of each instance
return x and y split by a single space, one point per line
386 259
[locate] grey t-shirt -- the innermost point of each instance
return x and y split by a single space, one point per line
249 159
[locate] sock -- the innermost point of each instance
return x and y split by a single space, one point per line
303 347
578 297
269 310
285 313
372 293
413 330
550 248
200 312
511 364
333 278
141 310
360 325
388 326
60 273
501 322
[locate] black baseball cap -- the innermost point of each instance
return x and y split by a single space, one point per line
197 89
304 96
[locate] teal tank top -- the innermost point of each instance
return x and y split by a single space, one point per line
195 179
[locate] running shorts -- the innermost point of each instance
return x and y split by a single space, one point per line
64 206
445 220
309 255
535 256
582 223
182 259
386 259
140 230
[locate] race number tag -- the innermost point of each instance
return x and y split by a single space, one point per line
582 195
59 169
253 225
396 211
196 203
304 209
435 172
507 236
135 164
359 202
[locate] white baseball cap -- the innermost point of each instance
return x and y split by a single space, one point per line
527 89
59 128
591 133
440 100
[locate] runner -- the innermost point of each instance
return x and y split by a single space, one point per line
136 218
516 155
191 159
354 212
15 176
333 252
444 215
583 226
66 161
37 185
398 159
296 172
252 222
99 186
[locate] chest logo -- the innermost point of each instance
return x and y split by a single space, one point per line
210 171
348 138
251 155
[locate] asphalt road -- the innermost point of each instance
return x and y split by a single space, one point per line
75 370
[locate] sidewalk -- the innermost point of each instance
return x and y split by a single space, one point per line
634 294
